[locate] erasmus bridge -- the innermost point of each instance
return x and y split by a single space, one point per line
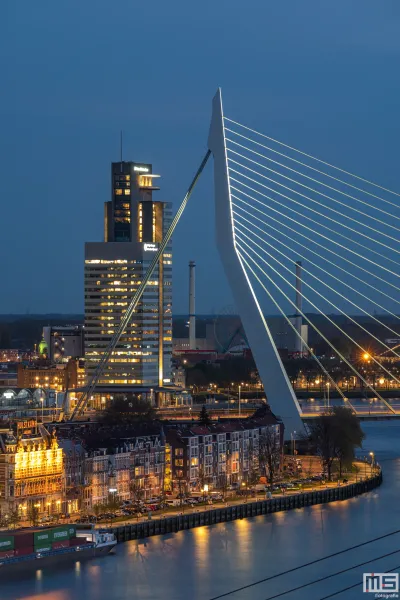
275 204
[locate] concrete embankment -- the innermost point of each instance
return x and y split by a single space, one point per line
241 511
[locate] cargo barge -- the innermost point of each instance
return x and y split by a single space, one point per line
29 549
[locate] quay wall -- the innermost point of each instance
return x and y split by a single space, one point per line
213 516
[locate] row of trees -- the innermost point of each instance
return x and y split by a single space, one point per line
14 517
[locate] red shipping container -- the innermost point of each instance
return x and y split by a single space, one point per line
57 545
24 551
23 539
7 554
78 541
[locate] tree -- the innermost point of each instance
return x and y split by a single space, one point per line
201 479
269 454
253 477
335 435
204 417
182 491
98 509
113 503
223 484
33 515
350 436
14 518
136 492
127 411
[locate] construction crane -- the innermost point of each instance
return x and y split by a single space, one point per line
82 402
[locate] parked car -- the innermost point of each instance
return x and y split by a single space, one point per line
173 502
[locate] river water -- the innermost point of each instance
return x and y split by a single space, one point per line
206 562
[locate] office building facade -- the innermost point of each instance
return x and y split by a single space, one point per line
134 225
63 342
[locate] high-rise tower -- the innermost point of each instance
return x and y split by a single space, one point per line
134 225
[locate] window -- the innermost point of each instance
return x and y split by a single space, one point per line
118 192
194 462
179 462
127 192
178 451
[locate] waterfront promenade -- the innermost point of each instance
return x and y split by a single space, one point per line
179 520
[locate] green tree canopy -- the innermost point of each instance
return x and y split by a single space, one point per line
335 436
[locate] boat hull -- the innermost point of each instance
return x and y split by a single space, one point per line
32 563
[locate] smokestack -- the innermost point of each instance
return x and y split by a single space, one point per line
299 320
192 305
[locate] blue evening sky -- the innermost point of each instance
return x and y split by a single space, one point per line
322 76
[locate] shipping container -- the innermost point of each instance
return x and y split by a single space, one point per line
6 543
42 548
23 539
58 534
71 531
57 545
24 551
42 537
7 554
77 541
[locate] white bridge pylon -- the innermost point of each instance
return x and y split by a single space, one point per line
278 389
275 204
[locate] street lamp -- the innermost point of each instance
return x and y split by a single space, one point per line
239 388
372 455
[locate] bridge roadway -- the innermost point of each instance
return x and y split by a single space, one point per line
366 409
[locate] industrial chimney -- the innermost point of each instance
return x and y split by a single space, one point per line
299 320
192 305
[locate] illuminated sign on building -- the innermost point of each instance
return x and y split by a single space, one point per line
150 247
141 169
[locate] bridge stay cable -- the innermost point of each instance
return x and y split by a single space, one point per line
317 233
305 270
364 350
306 258
360 223
322 162
308 348
82 403
372 206
355 231
308 320
312 241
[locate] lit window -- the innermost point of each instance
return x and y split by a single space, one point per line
127 192
118 192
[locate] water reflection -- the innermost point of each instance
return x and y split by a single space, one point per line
204 562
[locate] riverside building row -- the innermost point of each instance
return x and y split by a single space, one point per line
69 470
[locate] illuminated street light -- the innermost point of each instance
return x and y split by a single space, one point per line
372 455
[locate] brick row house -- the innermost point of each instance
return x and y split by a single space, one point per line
221 454
115 461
